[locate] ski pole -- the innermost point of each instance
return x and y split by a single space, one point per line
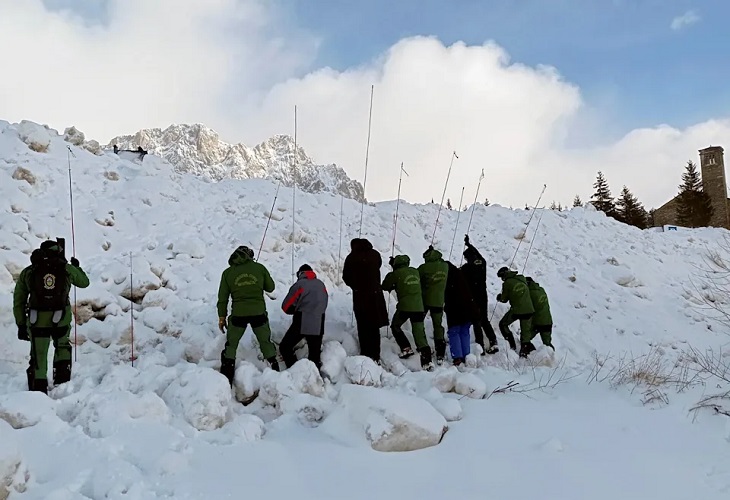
458 215
367 154
468 227
276 195
73 245
453 155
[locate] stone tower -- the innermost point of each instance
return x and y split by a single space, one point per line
714 184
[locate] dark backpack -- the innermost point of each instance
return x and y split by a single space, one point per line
48 282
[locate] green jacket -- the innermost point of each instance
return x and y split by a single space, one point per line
539 298
433 274
406 282
75 276
514 291
245 281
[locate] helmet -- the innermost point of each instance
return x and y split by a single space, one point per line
246 250
502 272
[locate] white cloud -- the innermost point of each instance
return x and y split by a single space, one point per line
231 65
687 19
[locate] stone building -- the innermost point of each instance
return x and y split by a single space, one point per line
712 169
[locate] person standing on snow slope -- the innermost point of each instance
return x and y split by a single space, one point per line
406 282
361 273
307 302
542 321
515 291
244 282
475 273
433 273
41 301
461 312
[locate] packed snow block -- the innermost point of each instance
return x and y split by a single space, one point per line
393 421
202 396
10 460
25 409
468 384
445 380
362 370
37 137
309 410
242 429
450 408
162 297
194 247
333 359
74 136
302 378
103 414
246 382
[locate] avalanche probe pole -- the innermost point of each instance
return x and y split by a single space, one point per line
339 251
458 215
468 227
397 205
294 195
73 242
276 195
367 155
537 227
453 155
131 307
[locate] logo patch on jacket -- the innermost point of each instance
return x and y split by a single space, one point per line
49 281
245 280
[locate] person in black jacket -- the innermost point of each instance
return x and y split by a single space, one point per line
461 313
475 273
361 273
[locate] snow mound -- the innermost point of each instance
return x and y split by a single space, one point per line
202 396
246 382
302 378
25 409
11 474
362 370
445 380
468 384
333 359
242 429
392 421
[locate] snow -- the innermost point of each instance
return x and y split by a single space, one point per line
169 425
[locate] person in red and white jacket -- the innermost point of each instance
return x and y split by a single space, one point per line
307 301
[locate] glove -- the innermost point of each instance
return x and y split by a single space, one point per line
430 247
74 262
466 239
23 333
222 324
390 261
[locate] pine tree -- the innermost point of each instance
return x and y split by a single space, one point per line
577 202
432 201
560 207
694 207
602 198
448 204
650 220
553 206
465 208
630 211
486 202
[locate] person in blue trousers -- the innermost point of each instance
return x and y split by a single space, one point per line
461 312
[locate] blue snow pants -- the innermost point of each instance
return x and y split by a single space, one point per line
460 340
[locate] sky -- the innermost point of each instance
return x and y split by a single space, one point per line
532 91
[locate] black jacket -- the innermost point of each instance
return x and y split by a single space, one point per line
361 272
459 305
475 273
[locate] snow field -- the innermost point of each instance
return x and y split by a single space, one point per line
170 426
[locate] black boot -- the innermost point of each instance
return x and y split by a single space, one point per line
61 372
511 340
492 349
440 346
29 373
228 368
274 363
526 348
40 385
426 358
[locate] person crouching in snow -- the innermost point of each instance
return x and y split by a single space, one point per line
245 282
515 291
542 321
461 312
307 301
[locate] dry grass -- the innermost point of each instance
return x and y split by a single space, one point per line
23 174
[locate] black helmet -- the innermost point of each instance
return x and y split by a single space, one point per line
502 271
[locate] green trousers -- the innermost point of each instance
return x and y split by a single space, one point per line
546 333
526 333
437 319
40 341
419 331
237 327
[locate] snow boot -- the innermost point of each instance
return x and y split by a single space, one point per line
40 385
439 360
29 374
492 349
458 361
526 348
61 372
406 353
426 358
228 368
275 364
440 348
